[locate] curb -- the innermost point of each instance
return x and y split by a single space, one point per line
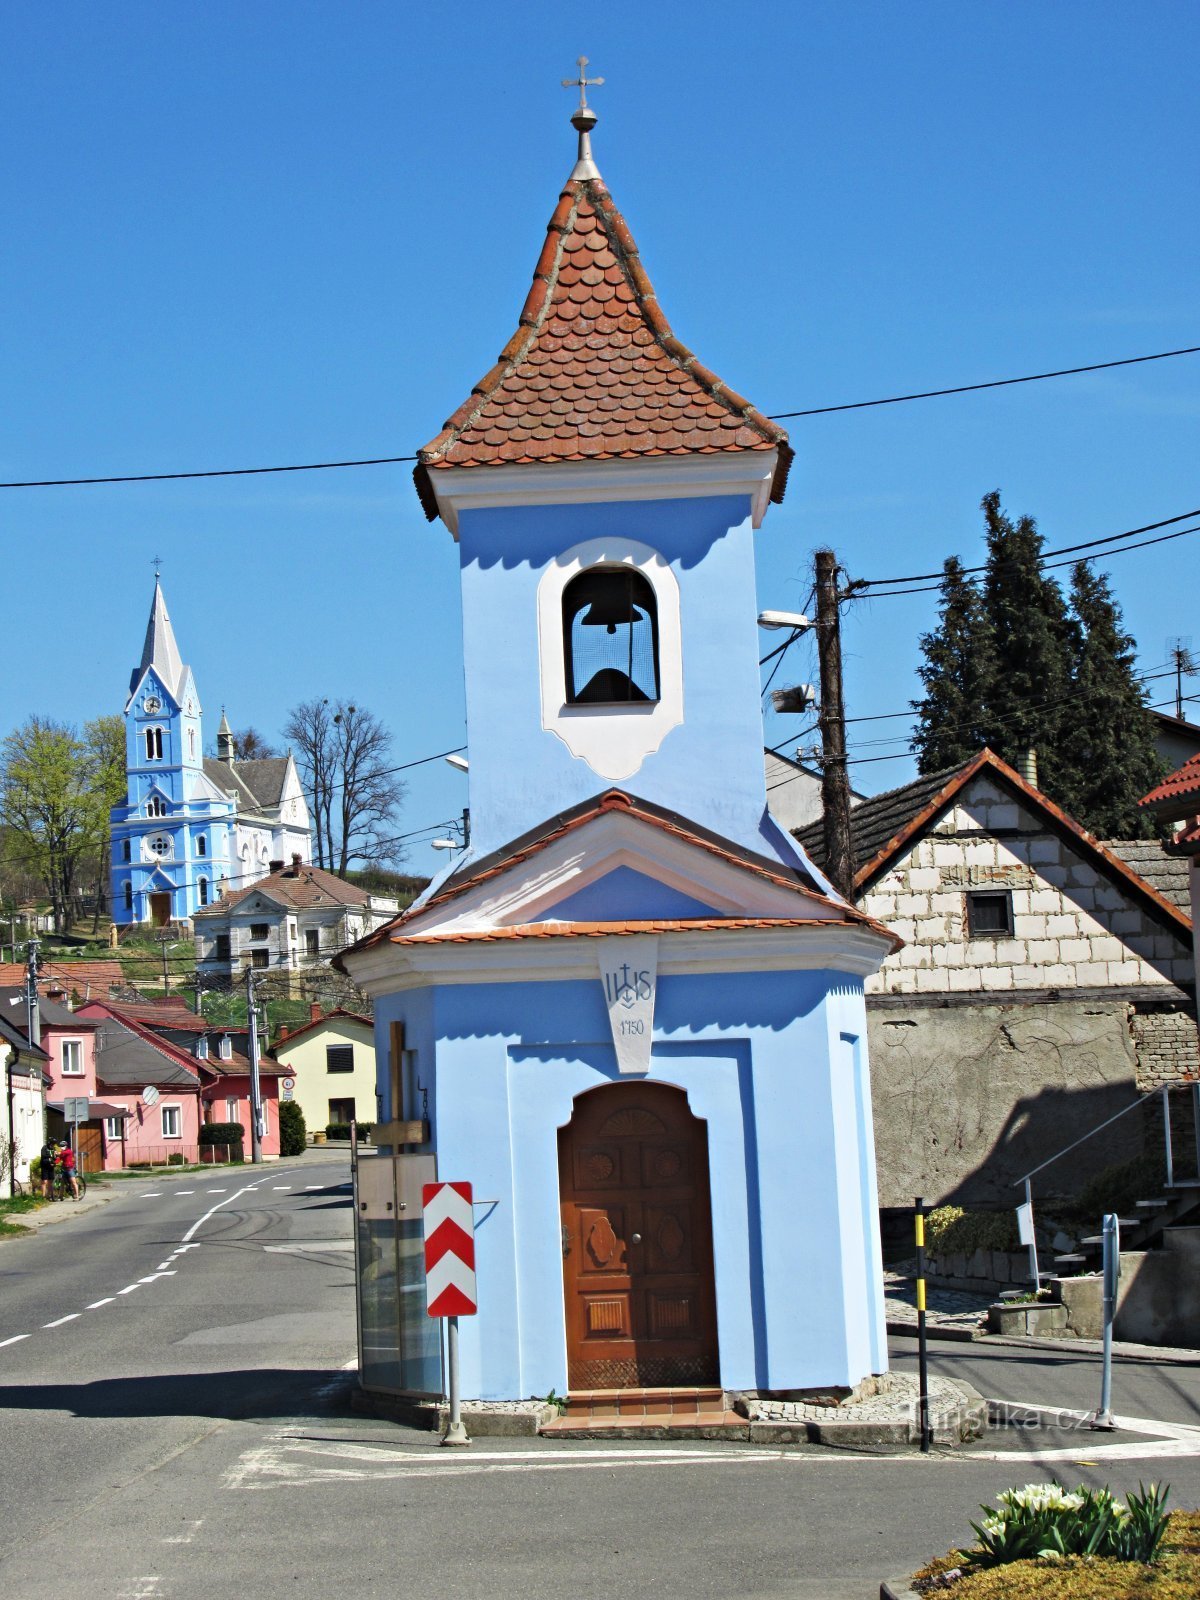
898 1589
1171 1356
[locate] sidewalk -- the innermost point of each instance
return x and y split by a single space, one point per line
958 1315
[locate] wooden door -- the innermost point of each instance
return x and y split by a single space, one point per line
160 909
637 1241
91 1149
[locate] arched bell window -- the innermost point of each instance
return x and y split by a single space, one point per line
610 637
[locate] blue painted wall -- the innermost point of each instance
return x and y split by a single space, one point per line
771 1061
710 768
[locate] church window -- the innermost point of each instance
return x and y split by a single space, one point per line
127 850
129 897
201 845
192 743
154 744
610 637
202 890
156 806
159 844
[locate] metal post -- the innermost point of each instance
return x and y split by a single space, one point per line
1034 1270
1111 1232
33 1011
922 1345
455 1432
1168 1151
835 777
255 1087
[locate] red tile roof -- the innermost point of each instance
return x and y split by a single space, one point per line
76 977
593 372
606 930
299 887
1178 794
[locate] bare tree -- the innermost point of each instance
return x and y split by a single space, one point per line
343 755
249 745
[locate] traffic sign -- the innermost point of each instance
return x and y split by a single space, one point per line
76 1108
449 1250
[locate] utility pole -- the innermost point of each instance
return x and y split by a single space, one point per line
835 779
255 1087
33 1011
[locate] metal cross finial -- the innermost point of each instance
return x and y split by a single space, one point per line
157 565
583 83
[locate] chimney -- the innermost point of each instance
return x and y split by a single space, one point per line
1027 767
314 1011
297 863
274 866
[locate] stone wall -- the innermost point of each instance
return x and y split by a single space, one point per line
1074 926
1166 1044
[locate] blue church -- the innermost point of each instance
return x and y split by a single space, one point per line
192 827
631 1013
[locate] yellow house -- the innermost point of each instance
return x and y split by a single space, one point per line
330 1060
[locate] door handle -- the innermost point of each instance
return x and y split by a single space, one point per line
635 1238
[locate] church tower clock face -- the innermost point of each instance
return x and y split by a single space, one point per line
152 704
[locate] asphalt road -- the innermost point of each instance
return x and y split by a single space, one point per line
190 1439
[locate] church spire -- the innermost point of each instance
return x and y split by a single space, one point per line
224 739
160 650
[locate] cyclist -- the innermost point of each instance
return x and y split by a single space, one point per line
46 1169
66 1162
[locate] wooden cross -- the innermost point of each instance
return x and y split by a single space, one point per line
583 83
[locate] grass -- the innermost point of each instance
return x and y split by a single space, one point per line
1175 1576
18 1205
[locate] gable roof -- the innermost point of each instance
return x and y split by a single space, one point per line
475 873
1178 795
299 889
12 1006
1152 861
251 790
338 1014
593 372
886 827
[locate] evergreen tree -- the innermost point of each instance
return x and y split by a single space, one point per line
1028 686
1109 742
955 675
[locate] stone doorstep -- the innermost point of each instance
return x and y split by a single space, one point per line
636 1403
676 1425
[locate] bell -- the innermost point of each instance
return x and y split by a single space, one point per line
609 610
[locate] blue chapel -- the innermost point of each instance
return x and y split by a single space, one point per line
192 827
631 1012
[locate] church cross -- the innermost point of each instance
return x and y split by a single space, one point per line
157 565
583 83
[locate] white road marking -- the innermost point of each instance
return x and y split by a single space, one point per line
314 1185
16 1339
280 1186
163 1265
185 1191
154 1277
70 1317
216 1191
316 1246
128 1289
185 1538
150 1194
202 1220
96 1304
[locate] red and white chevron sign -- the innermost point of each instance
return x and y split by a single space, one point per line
449 1250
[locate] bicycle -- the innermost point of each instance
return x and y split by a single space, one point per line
60 1188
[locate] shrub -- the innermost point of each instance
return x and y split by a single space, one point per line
341 1130
950 1230
1045 1520
222 1133
1119 1187
293 1135
176 1159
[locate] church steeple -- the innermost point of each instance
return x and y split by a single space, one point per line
224 739
160 652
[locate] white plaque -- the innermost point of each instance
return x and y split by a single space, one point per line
629 973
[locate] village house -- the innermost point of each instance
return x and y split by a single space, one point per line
331 1057
292 922
1045 981
25 1085
1176 800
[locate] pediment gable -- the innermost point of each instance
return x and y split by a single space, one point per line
149 682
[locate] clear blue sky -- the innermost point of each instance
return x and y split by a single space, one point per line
249 233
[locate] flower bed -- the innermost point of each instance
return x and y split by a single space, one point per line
1044 1542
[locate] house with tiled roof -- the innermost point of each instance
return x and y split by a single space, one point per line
1045 981
330 1061
291 923
1176 802
631 1011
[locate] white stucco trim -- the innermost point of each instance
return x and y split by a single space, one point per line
391 968
527 891
724 472
614 740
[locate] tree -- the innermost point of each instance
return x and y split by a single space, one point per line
249 745
104 739
955 671
1109 744
1028 669
343 756
55 801
293 1135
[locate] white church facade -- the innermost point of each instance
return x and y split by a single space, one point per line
631 1013
192 828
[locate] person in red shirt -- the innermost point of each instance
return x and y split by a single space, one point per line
66 1160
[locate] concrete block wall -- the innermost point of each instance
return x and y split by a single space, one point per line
1073 926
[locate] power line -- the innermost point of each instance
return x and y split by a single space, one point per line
777 416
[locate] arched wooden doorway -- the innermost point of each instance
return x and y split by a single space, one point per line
637 1241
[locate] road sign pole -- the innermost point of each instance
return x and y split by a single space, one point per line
455 1432
1111 1232
922 1345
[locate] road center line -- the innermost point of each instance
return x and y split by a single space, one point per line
185 1191
150 1194
278 1187
216 1191
70 1317
128 1289
96 1304
202 1220
16 1339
